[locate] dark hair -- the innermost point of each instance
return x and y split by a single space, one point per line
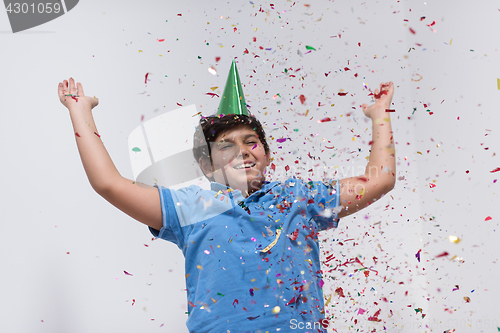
210 128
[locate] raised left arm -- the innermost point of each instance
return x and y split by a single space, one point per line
380 175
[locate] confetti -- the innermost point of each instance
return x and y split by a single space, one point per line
444 254
417 255
302 99
495 170
454 239
487 218
324 120
127 273
310 48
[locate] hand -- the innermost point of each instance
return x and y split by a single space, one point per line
382 101
72 102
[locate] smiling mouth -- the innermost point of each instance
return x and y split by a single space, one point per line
250 166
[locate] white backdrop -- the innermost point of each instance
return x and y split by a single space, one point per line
64 249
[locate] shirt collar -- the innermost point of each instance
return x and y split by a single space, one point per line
238 196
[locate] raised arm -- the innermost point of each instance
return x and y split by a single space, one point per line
139 202
380 175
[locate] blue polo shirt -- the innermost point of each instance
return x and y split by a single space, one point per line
252 264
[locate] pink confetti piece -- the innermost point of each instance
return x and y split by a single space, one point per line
361 311
127 273
487 218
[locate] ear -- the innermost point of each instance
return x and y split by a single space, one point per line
206 167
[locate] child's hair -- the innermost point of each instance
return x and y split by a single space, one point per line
210 128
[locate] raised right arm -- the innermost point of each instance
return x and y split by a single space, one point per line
141 203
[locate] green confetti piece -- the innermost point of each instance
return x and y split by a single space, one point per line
136 149
296 129
310 48
199 57
220 294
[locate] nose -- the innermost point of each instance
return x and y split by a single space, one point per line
244 150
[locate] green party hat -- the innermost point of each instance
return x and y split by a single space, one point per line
233 100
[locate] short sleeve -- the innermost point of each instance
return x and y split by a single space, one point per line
171 230
323 203
185 207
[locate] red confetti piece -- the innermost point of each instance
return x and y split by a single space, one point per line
212 94
97 134
76 99
377 96
246 51
431 185
179 104
179 14
444 254
389 110
133 301
235 301
340 292
324 120
302 98
161 40
191 303
487 218
294 235
146 245
217 59
146 80
412 31
342 94
273 166
127 273
287 168
495 170
234 30
78 135
374 317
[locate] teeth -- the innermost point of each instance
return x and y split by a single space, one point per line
244 166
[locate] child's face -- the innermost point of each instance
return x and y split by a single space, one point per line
233 148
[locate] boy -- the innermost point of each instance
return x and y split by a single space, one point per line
251 249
